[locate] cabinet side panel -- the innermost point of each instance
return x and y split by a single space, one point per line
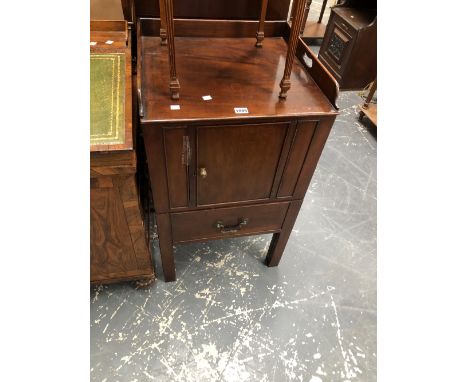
111 244
154 148
301 143
177 152
319 139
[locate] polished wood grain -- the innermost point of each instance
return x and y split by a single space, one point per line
285 83
261 24
118 244
225 68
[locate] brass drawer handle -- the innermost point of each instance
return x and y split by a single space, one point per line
233 228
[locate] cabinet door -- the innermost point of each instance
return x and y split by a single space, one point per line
238 163
337 44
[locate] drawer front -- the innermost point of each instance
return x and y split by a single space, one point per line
227 222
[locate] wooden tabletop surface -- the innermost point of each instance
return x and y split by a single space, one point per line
233 72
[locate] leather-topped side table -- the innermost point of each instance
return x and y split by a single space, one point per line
119 246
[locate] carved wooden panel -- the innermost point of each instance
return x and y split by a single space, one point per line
337 45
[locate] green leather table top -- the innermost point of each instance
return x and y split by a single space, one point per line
107 99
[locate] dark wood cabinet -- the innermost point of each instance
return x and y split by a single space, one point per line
217 174
349 48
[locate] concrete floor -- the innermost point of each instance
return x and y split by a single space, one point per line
230 318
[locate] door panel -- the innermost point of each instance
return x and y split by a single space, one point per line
297 156
237 163
177 152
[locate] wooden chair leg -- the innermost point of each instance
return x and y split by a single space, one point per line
174 85
165 246
279 241
370 95
322 11
163 29
306 15
261 25
299 7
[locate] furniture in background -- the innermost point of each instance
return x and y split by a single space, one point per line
368 108
349 48
311 29
119 247
239 161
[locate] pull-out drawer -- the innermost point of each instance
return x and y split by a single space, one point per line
228 222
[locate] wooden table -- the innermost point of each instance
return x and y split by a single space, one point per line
119 247
217 174
311 29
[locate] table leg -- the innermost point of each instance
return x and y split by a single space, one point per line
261 24
166 247
322 11
174 85
306 15
299 8
279 241
162 16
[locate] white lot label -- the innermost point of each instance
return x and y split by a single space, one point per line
93 43
109 42
175 107
207 98
241 110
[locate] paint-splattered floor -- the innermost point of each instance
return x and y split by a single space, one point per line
230 318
